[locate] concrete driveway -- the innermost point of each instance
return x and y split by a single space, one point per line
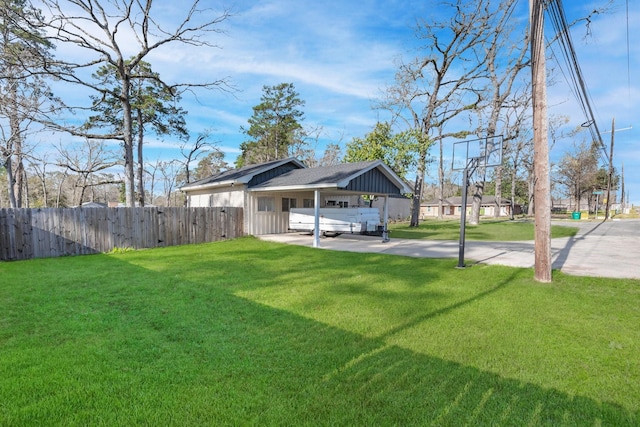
602 249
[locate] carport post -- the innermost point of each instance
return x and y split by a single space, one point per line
316 219
385 221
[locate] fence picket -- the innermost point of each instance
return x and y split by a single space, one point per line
51 232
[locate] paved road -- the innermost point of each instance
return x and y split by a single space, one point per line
603 249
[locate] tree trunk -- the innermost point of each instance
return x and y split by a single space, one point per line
59 194
498 181
415 209
19 175
10 181
441 182
513 194
140 159
530 189
477 197
417 189
128 138
45 193
25 186
14 128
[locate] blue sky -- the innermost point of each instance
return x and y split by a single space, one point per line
340 55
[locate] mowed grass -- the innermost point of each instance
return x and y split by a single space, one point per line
247 332
497 230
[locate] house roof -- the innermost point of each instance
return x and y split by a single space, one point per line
457 201
372 177
368 177
243 175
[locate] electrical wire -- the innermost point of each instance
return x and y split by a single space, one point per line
577 81
628 54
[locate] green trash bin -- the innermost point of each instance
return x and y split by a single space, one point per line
575 215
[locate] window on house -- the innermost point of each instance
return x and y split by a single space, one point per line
308 203
266 204
287 204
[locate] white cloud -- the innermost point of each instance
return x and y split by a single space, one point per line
340 54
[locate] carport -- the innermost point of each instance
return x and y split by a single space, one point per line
372 178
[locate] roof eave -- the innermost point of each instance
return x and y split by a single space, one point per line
322 186
210 185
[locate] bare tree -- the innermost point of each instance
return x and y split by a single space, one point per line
103 31
169 171
332 155
39 168
86 160
211 164
505 58
577 170
436 87
192 152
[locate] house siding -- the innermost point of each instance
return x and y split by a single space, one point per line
218 198
272 222
373 182
429 211
399 208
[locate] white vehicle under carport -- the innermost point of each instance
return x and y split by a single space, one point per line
336 221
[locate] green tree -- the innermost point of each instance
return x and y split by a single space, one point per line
274 126
399 151
153 105
24 94
211 164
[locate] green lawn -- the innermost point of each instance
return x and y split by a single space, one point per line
247 332
499 230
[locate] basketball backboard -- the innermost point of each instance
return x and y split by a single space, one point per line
481 152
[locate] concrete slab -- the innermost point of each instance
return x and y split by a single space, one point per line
600 249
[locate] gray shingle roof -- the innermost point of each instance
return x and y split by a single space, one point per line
329 175
243 174
261 177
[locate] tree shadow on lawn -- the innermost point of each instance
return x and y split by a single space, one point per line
191 352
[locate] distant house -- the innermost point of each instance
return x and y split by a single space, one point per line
92 205
267 191
452 206
569 205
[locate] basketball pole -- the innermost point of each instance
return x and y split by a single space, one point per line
463 217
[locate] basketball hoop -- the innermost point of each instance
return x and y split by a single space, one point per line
467 157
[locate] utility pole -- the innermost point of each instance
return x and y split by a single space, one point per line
541 194
608 204
622 195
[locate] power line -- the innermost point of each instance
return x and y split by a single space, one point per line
628 54
577 81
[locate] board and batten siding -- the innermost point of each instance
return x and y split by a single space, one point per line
53 232
217 198
271 222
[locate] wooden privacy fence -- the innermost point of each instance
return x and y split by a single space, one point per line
41 233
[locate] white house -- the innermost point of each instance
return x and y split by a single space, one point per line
268 191
452 206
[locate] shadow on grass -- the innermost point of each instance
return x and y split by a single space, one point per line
121 344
